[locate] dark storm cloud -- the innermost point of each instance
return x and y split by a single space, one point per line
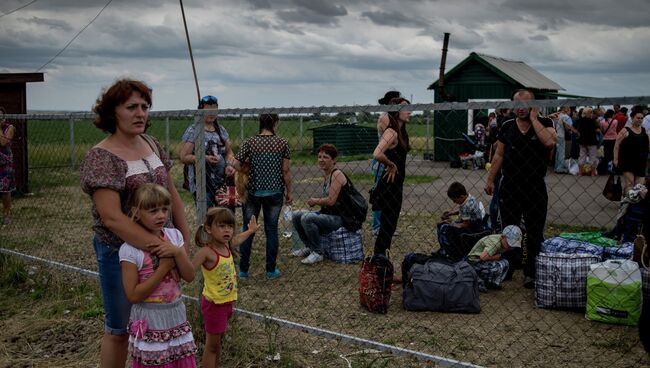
394 19
538 38
304 11
259 4
53 24
626 13
325 8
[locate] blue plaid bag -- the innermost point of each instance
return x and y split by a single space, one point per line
492 272
561 280
623 251
343 246
570 246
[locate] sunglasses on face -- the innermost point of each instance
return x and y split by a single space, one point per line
209 100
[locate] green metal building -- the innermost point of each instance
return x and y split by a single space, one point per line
349 138
481 77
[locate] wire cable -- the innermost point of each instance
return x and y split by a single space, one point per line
75 37
18 8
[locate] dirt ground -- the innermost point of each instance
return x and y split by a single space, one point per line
509 331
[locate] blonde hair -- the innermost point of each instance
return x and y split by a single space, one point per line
149 196
586 112
215 216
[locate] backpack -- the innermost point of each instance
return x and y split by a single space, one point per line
442 287
351 206
375 281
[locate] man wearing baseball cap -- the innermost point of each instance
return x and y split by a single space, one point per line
485 256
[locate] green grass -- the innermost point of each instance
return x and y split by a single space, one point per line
358 178
49 140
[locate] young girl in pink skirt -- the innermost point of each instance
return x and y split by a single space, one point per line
159 333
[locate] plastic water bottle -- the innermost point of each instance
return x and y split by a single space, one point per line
288 215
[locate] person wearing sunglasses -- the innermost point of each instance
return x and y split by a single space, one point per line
218 153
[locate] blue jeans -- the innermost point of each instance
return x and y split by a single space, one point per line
116 306
271 205
311 225
560 164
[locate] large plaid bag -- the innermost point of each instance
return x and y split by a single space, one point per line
492 272
343 246
623 251
561 280
570 246
375 281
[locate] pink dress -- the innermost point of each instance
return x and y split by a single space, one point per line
7 177
159 333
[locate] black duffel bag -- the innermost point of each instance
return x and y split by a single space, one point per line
442 287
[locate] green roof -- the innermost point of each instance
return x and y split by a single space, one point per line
516 72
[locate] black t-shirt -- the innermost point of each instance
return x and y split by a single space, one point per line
525 158
587 129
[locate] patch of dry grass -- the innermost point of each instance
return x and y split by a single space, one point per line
55 224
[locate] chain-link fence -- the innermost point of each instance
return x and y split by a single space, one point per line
51 220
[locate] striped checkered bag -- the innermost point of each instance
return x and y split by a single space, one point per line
570 246
622 251
561 280
343 246
492 272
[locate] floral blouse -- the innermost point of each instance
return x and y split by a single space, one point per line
103 169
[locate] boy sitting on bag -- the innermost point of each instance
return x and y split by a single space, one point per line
486 256
471 219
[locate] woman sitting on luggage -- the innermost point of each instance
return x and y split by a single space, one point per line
311 225
486 256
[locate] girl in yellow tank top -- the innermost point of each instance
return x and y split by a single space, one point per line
217 238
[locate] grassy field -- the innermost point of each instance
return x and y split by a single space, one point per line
54 222
49 140
54 319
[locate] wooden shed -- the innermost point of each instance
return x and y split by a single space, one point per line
13 97
481 77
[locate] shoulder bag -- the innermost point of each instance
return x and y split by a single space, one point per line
351 205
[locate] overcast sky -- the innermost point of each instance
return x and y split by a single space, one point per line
262 53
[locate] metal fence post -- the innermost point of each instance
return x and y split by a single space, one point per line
300 141
167 147
241 127
426 141
199 168
72 158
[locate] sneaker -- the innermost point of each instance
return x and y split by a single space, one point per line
273 275
242 275
302 252
529 282
313 257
